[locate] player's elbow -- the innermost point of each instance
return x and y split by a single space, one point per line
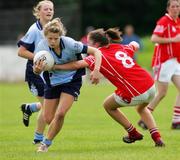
19 53
153 38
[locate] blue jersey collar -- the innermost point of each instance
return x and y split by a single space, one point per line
38 24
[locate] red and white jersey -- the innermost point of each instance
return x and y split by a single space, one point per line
122 71
166 27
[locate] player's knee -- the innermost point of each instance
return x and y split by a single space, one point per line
48 118
60 115
106 106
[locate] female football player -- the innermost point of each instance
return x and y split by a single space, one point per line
62 87
43 12
166 59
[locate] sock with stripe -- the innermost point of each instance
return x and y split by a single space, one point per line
38 136
155 134
33 107
47 142
132 131
176 115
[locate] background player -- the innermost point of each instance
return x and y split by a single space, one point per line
166 59
43 12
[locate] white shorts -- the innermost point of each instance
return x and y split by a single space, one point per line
166 70
146 97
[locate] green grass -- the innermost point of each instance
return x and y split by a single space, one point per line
145 55
88 133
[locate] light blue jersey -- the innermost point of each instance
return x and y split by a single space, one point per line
32 37
30 42
70 51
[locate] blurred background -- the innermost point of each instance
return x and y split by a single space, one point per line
16 17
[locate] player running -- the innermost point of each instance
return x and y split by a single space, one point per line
43 12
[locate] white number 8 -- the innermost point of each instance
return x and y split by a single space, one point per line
126 60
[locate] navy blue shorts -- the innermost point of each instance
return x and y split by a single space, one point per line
35 82
72 88
36 87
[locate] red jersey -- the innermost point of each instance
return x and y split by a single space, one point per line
166 27
122 71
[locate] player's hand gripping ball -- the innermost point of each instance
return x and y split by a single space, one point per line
46 58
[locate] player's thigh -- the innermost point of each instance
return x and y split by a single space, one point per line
110 103
162 87
166 71
141 107
65 102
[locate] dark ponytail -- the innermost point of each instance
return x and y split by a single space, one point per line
103 38
114 35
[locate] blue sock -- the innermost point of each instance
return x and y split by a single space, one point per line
47 142
38 136
33 107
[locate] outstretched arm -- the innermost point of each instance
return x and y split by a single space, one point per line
98 56
71 66
81 63
95 74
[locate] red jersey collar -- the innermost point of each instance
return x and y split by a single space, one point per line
170 17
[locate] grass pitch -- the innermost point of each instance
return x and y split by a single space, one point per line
88 132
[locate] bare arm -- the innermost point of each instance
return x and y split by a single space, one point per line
162 40
81 63
24 53
98 57
38 66
71 66
95 74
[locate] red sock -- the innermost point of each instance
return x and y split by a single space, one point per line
176 115
155 134
132 130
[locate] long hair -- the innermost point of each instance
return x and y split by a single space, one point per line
102 37
55 26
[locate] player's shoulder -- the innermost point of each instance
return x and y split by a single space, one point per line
163 19
68 42
66 39
43 42
35 27
65 42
